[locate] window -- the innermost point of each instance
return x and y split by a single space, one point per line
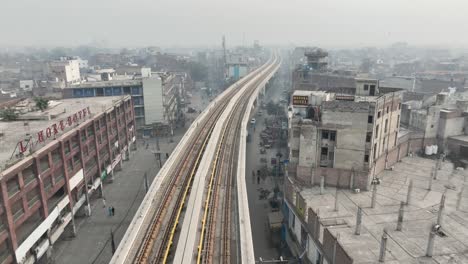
83 135
324 151
398 121
70 165
56 157
74 141
378 114
396 139
377 131
366 87
383 145
33 197
388 108
332 135
370 119
76 158
399 106
375 150
368 136
366 158
66 146
324 134
28 175
44 163
17 209
47 183
59 175
13 186
386 125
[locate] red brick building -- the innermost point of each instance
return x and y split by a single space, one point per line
47 158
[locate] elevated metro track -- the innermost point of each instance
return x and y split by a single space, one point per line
202 185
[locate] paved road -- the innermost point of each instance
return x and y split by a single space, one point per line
259 209
92 243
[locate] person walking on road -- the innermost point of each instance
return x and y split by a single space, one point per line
103 202
113 210
258 179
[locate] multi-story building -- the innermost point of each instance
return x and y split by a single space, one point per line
345 138
51 163
156 99
66 70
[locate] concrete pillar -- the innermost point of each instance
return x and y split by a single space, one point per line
430 243
322 184
400 217
374 195
430 180
336 199
408 194
101 189
383 246
358 221
441 209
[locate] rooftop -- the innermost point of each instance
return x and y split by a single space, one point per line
410 244
32 121
106 84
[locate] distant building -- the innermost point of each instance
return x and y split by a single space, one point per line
343 136
156 99
26 85
51 164
65 70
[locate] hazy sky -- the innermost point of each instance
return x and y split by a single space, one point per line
203 22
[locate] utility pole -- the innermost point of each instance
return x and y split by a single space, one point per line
224 56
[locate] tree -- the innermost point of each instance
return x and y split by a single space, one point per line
41 103
8 114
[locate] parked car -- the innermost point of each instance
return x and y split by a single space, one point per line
252 121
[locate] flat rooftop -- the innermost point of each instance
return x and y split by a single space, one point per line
30 123
410 244
98 84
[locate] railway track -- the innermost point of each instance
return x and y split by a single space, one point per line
216 242
160 235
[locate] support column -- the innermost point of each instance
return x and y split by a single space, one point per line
67 187
9 216
374 195
45 210
83 167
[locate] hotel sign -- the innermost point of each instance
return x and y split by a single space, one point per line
53 130
300 100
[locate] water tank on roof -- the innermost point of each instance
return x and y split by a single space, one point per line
435 149
428 150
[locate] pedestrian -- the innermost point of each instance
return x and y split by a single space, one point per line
109 210
103 202
253 177
113 211
258 179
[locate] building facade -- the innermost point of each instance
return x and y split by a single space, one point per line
66 70
59 164
343 138
156 99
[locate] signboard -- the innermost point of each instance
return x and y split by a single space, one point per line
53 130
300 100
